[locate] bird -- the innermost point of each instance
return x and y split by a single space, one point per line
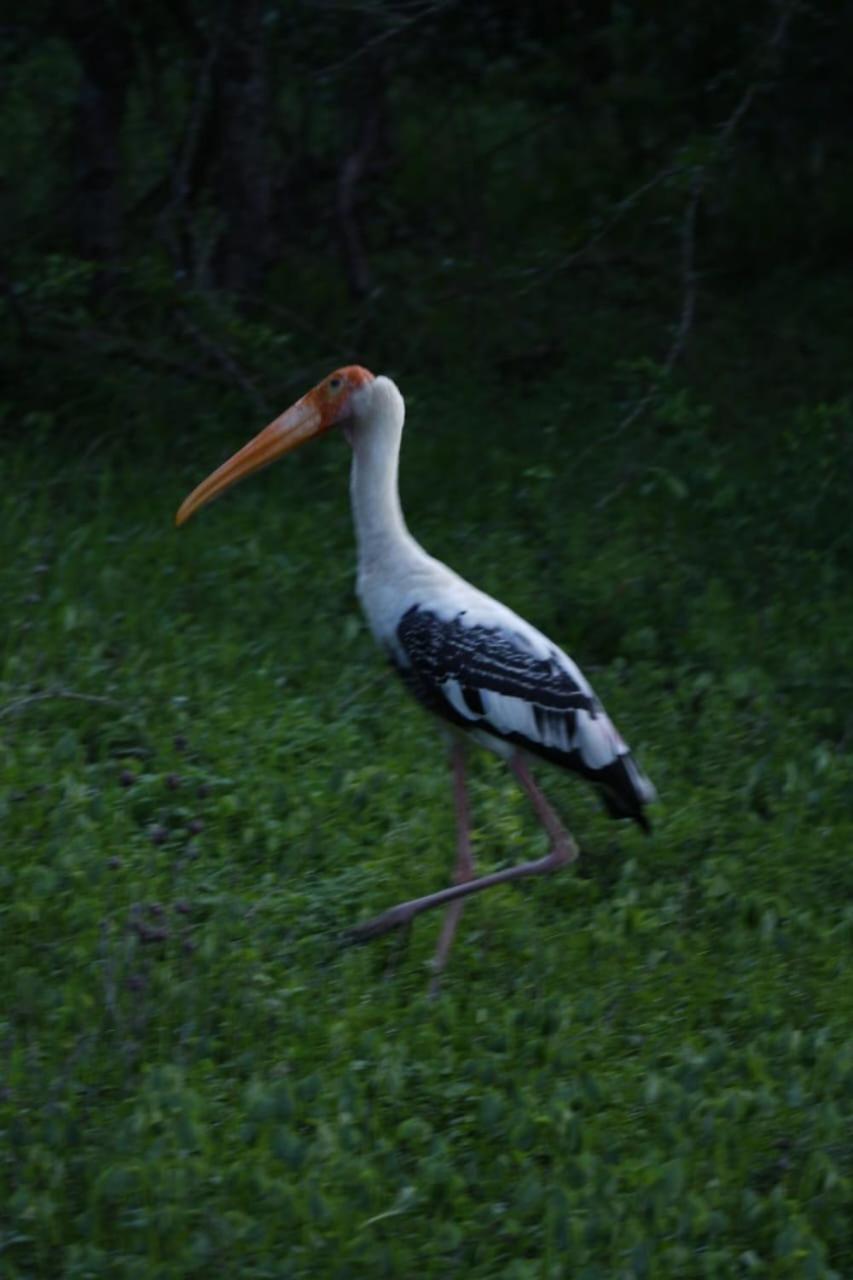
489 675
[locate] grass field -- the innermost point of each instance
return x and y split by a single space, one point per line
639 1068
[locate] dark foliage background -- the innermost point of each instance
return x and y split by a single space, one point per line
222 199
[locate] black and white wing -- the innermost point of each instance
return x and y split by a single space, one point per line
501 679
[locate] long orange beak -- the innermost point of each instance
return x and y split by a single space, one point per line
298 424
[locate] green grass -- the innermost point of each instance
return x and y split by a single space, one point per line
639 1068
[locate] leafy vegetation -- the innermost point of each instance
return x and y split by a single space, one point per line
640 1069
608 261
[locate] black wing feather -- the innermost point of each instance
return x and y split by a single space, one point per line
488 659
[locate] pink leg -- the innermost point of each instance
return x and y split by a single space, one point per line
562 843
464 864
563 851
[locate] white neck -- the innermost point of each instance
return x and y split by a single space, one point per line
380 529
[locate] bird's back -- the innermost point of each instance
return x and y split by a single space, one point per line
480 666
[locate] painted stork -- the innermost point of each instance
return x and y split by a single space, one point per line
489 674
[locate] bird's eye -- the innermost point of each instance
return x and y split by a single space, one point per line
335 384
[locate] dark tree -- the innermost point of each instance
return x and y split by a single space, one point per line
102 45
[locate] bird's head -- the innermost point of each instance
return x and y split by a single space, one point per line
333 402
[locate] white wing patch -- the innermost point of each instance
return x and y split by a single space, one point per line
452 691
594 737
508 714
597 740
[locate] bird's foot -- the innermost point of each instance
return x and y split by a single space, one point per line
395 918
405 912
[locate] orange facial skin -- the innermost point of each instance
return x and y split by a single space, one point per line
323 407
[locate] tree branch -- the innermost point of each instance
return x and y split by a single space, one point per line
699 181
